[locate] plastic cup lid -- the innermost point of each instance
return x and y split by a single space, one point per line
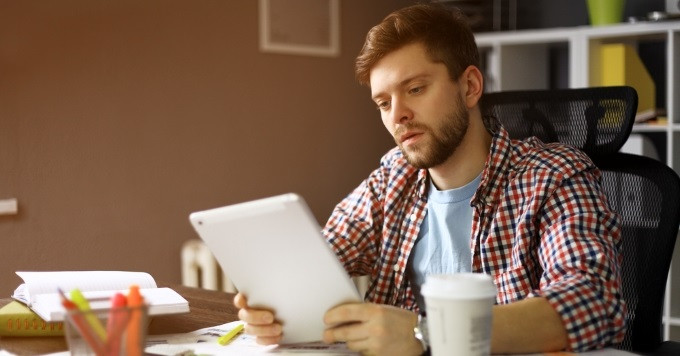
459 286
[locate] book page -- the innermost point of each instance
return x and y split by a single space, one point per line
48 282
161 301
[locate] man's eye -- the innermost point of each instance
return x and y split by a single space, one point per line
383 105
416 90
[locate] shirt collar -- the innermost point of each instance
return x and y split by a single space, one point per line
495 169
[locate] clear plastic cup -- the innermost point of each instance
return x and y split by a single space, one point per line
120 331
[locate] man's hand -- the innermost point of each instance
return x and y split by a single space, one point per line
259 322
373 329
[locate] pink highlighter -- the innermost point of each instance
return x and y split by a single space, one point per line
117 321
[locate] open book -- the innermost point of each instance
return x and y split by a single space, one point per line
40 291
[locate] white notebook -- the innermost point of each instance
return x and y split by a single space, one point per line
40 291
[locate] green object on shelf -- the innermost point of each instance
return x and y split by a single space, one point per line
605 12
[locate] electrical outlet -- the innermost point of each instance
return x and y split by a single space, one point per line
8 206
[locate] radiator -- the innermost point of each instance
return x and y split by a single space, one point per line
200 269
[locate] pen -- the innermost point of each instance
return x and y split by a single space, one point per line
224 339
84 306
81 325
135 302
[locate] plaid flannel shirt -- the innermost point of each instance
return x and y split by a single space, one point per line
541 226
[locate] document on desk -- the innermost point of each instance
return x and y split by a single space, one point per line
604 352
204 342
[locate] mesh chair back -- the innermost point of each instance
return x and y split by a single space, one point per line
596 120
645 192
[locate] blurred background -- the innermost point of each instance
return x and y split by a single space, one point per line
119 118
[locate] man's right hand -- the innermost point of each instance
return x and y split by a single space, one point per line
259 322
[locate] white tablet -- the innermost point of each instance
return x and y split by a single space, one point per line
274 252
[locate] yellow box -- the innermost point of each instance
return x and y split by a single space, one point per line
621 65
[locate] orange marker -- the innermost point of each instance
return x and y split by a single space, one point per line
135 301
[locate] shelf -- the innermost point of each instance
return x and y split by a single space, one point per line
638 31
642 127
487 39
643 30
672 321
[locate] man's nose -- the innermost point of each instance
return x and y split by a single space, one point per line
401 112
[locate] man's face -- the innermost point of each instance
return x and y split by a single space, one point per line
420 105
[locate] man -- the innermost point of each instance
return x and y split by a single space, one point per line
458 195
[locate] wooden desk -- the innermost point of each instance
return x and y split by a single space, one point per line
208 308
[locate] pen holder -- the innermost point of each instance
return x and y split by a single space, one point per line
116 331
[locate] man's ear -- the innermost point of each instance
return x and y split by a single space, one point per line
473 83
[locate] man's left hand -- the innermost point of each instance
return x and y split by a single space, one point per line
373 329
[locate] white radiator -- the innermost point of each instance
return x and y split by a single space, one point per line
200 269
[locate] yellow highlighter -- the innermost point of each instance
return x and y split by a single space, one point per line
84 306
224 339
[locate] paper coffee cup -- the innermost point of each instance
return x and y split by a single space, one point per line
459 313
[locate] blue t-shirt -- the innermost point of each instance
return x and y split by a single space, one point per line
443 244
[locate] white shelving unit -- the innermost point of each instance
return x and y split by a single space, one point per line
521 60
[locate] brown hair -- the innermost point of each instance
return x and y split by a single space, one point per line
445 34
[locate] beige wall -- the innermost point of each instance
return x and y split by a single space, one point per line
119 118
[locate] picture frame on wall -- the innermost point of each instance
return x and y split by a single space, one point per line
302 27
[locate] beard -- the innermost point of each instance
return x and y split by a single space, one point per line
444 138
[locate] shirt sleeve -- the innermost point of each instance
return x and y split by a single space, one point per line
354 226
579 253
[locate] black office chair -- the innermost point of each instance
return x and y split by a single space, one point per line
644 191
